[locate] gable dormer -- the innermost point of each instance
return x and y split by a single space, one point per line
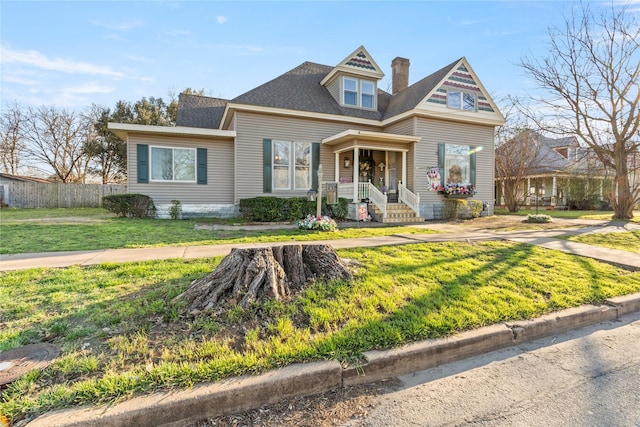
354 82
461 90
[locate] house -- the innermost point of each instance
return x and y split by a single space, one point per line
394 150
559 174
6 181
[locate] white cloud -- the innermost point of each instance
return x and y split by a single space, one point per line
221 19
178 33
86 88
123 26
38 60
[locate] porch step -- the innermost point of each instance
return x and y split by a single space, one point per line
397 213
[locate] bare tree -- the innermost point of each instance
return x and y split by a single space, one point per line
516 155
107 152
12 144
55 138
592 71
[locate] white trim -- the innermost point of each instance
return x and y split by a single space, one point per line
123 129
374 136
173 171
291 167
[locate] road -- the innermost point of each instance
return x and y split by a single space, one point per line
589 377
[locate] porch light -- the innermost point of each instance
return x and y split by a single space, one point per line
381 165
311 195
347 162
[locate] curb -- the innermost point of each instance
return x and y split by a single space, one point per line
173 409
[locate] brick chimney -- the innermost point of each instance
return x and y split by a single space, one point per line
400 74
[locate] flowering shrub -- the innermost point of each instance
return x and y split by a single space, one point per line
539 218
452 189
323 223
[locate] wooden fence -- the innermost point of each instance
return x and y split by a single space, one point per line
42 195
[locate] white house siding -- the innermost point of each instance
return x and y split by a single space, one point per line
254 128
216 194
434 132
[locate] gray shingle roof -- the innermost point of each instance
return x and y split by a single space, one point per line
200 111
299 89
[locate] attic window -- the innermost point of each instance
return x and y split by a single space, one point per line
461 100
358 93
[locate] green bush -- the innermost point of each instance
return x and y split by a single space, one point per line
276 209
130 205
538 218
453 208
175 211
459 208
475 208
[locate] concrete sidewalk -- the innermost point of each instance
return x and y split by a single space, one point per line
544 238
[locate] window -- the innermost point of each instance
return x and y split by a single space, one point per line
367 94
461 100
173 164
288 169
359 93
350 92
457 164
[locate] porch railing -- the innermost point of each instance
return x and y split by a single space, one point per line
378 198
408 198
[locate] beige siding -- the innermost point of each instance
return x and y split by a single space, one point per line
434 132
334 89
219 188
253 128
405 127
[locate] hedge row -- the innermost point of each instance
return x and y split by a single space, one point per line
276 209
130 205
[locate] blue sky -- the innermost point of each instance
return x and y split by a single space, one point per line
74 53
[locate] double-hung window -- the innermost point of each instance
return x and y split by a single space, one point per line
461 100
291 165
359 93
173 164
457 164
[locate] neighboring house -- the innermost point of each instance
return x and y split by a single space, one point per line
558 167
270 141
5 183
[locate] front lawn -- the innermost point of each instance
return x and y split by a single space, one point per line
121 334
54 230
626 241
600 215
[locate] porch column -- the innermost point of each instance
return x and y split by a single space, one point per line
601 187
404 168
554 189
336 167
386 170
356 171
528 191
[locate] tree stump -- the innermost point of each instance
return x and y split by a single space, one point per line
247 274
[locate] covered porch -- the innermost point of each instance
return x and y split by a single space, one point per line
372 167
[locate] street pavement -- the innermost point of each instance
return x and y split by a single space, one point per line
584 377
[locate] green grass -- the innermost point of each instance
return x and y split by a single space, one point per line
626 241
601 215
53 230
121 333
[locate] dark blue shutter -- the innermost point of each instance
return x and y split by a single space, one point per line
472 166
441 152
201 163
143 163
266 165
315 162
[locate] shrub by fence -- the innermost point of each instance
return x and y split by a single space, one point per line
42 195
